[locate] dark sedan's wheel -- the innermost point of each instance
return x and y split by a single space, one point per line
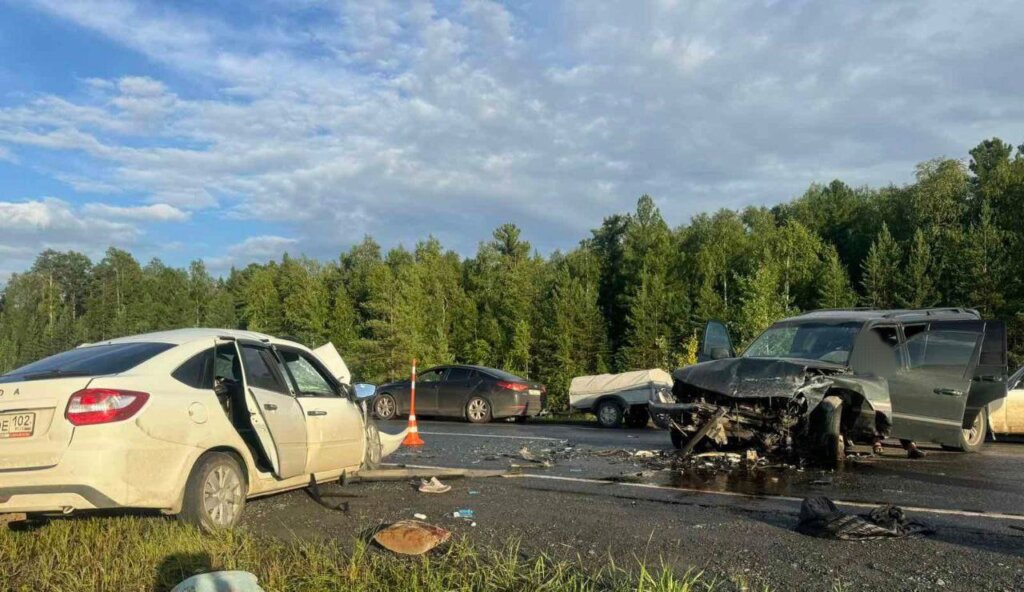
385 407
609 414
478 410
973 437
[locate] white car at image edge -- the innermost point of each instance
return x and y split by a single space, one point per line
1006 416
190 422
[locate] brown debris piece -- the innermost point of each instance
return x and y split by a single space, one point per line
411 537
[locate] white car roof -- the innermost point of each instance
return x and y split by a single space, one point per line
183 336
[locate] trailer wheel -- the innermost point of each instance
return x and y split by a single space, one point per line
609 414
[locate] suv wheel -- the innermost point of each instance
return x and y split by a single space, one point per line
834 452
973 437
214 493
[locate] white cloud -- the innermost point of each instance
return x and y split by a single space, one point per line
401 119
29 227
151 213
253 249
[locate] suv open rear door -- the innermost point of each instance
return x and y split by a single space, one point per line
989 380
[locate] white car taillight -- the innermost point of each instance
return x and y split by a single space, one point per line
94 406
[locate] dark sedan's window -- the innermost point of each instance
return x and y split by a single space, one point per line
502 375
431 376
459 374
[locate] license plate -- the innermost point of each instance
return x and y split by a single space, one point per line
535 392
17 425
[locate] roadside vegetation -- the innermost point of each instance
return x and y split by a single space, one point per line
633 294
132 553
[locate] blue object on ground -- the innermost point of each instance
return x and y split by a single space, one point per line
220 581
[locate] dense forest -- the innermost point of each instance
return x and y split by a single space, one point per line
632 295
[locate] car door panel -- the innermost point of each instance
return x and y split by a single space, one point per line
426 391
276 417
455 390
929 395
334 423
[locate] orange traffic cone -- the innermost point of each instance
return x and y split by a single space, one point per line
413 437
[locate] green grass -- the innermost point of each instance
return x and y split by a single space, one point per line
134 553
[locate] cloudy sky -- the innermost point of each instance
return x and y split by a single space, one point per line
235 131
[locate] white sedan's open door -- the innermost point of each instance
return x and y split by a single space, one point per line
276 416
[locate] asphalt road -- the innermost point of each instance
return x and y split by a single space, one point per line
598 501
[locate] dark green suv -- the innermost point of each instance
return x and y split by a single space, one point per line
816 381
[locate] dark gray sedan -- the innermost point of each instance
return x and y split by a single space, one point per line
475 393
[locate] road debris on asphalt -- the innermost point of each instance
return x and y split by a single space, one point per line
220 581
820 517
403 473
411 537
433 485
464 513
420 516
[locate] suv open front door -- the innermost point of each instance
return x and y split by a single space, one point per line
930 393
277 418
716 343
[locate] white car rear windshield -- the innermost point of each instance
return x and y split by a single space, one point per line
94 360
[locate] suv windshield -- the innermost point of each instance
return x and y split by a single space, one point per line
830 342
94 360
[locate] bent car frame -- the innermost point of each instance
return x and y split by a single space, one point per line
189 422
813 382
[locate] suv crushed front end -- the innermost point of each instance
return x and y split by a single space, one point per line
766 403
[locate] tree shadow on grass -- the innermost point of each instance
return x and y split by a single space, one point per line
178 567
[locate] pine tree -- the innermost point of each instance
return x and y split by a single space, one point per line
834 289
917 288
646 343
881 272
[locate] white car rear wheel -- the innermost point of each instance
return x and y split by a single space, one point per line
215 493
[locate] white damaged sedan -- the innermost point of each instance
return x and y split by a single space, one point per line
190 422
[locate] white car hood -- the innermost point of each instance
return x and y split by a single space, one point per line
329 355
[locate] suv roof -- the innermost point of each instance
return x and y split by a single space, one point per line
900 314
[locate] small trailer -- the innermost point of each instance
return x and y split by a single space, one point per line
614 397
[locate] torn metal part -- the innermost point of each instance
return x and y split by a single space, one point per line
313 489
